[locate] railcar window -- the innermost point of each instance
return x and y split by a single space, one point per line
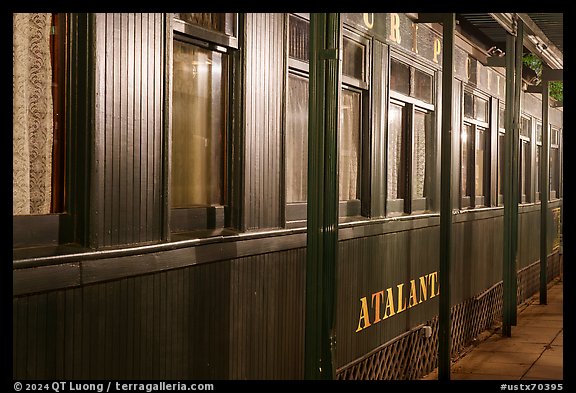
466 159
480 155
298 37
501 133
39 107
349 139
410 150
219 22
524 159
554 163
480 109
422 86
297 138
353 64
395 152
199 111
474 152
353 120
468 105
400 77
422 153
537 161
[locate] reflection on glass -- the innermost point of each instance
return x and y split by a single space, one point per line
421 154
525 171
221 22
479 162
422 86
399 77
537 166
349 146
480 109
467 134
554 137
554 170
298 37
353 61
395 153
297 139
198 126
468 105
525 127
500 163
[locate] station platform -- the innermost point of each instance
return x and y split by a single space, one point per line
533 352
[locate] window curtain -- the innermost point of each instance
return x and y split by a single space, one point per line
32 114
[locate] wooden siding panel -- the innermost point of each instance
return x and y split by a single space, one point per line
264 48
267 324
129 128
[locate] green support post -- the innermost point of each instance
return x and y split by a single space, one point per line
544 191
444 320
516 171
448 22
508 175
322 210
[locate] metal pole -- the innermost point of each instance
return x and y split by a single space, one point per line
515 167
544 190
322 210
507 247
444 320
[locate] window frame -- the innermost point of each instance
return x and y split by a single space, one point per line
67 226
525 174
538 159
474 200
500 165
410 205
555 194
198 219
295 213
359 206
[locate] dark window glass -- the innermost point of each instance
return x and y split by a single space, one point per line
297 139
554 137
422 86
468 105
396 152
220 22
480 109
399 77
298 38
554 170
525 127
353 61
525 170
199 122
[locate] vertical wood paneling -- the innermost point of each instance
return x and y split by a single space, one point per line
266 316
129 129
263 120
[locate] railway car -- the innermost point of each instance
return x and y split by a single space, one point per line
161 179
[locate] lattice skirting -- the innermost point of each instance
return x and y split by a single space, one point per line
411 356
